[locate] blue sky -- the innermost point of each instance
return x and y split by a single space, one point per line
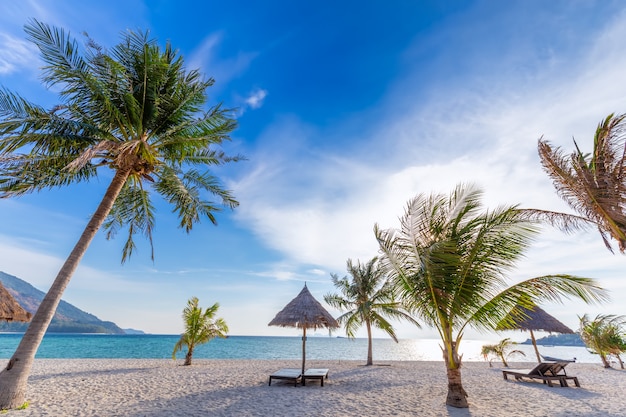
346 110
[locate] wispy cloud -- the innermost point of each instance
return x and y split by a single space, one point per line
15 54
318 208
223 69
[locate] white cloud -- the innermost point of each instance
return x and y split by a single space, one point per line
319 208
256 98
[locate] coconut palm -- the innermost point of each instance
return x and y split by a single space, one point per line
594 185
449 261
603 336
368 299
503 349
133 111
200 327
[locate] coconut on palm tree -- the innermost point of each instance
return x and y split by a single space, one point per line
132 115
368 300
593 184
200 327
450 261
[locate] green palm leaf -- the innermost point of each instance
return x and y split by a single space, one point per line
449 263
133 110
368 300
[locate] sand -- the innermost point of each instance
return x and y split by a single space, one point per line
129 387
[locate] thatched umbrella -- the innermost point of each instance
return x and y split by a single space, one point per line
10 310
304 312
535 318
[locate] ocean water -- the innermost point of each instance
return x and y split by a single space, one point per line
268 347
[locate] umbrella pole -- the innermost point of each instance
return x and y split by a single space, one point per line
303 349
532 337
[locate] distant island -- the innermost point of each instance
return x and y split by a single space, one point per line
67 319
133 331
558 340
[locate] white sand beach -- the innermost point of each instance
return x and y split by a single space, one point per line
144 387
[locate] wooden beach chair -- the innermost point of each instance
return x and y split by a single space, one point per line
547 372
315 373
558 369
289 374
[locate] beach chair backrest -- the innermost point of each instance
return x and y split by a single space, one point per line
541 369
558 368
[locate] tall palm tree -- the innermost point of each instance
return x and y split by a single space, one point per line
450 260
368 299
133 109
603 336
594 185
200 327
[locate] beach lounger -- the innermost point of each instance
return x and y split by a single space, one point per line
315 373
547 372
289 374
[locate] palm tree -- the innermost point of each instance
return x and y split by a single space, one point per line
594 185
503 349
133 109
368 300
603 336
200 328
450 261
617 344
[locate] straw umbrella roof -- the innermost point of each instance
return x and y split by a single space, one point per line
10 310
530 319
522 318
304 312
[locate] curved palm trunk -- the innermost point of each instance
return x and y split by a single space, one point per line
188 356
14 377
369 343
506 365
457 397
605 361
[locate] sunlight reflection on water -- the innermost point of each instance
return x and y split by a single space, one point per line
271 347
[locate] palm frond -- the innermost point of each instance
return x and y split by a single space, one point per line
533 291
133 210
593 184
450 261
132 108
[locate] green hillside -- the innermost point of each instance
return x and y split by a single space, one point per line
68 319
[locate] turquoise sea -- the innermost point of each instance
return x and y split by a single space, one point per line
266 347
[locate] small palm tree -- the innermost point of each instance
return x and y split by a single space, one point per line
502 349
368 300
604 336
200 327
132 115
594 185
449 261
617 344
